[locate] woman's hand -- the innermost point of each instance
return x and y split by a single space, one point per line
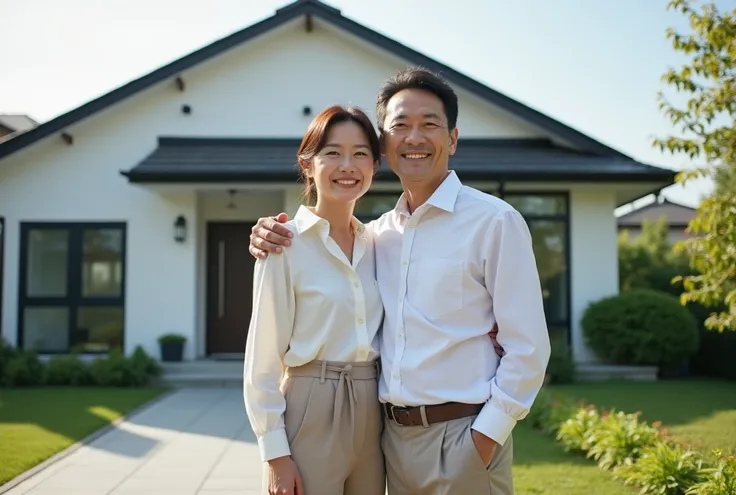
283 477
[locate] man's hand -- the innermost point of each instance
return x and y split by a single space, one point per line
492 334
268 235
484 445
284 477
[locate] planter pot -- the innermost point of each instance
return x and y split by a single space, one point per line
172 351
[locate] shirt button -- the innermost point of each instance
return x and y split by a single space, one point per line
360 320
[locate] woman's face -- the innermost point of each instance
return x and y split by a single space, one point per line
343 169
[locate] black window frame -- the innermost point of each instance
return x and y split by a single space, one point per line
530 218
74 298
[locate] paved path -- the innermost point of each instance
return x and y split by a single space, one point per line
195 441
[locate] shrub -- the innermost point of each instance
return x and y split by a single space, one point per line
642 327
561 367
68 370
574 434
717 480
663 468
619 438
116 370
23 369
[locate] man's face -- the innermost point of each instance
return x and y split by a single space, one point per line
417 143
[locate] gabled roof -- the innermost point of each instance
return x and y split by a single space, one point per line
677 215
309 8
178 159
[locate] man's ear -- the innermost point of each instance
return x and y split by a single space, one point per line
453 141
382 143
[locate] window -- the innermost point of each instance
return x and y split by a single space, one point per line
548 218
72 287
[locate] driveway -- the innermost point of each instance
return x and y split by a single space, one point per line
194 441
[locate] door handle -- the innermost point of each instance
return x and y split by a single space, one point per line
221 279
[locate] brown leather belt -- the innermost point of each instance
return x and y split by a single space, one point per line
412 416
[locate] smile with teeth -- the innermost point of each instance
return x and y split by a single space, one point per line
416 156
346 182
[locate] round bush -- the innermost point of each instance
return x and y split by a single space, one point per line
643 327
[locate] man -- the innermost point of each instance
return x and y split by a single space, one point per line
451 262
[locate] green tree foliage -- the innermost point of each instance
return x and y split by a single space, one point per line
707 125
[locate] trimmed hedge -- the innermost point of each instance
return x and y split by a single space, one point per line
23 368
640 327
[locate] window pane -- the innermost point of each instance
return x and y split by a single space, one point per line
375 205
99 329
102 265
548 240
46 270
46 329
537 204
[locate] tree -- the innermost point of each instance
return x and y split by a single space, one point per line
707 122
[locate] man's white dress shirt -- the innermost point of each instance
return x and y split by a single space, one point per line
447 272
309 303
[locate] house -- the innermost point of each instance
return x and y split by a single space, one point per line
11 123
676 215
129 217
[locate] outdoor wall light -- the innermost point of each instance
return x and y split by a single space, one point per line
180 229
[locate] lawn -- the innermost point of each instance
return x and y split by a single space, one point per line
542 467
701 412
36 423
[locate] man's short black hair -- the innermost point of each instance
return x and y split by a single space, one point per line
417 78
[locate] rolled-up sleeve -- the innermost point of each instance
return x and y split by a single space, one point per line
512 280
270 331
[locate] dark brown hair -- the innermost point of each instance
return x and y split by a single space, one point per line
316 137
417 78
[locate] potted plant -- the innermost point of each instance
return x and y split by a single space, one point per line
172 347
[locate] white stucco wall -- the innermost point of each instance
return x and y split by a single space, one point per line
256 90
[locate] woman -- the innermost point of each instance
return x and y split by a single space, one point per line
310 381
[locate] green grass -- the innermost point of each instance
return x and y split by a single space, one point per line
700 412
542 467
36 423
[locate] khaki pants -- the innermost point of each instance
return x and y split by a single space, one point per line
442 460
333 423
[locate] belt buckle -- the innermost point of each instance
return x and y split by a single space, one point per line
393 414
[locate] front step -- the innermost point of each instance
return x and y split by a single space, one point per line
603 372
202 373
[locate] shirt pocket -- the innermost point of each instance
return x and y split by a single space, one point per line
437 286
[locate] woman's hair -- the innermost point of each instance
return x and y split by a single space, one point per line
316 137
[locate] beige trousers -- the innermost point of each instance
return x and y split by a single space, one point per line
442 460
333 423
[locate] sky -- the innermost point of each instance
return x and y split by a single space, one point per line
595 65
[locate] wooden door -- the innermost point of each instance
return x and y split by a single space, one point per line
229 287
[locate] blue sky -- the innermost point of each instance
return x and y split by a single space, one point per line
593 64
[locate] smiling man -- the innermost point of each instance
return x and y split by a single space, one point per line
451 262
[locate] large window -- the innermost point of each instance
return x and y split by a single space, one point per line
547 215
72 287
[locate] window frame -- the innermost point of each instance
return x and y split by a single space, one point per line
74 298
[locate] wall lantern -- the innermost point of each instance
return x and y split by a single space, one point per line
180 229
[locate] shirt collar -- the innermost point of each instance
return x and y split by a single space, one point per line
306 218
444 197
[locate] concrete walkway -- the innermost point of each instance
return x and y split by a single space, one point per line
194 441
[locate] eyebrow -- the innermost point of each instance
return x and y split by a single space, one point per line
426 116
335 145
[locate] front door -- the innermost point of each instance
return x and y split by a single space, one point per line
229 287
